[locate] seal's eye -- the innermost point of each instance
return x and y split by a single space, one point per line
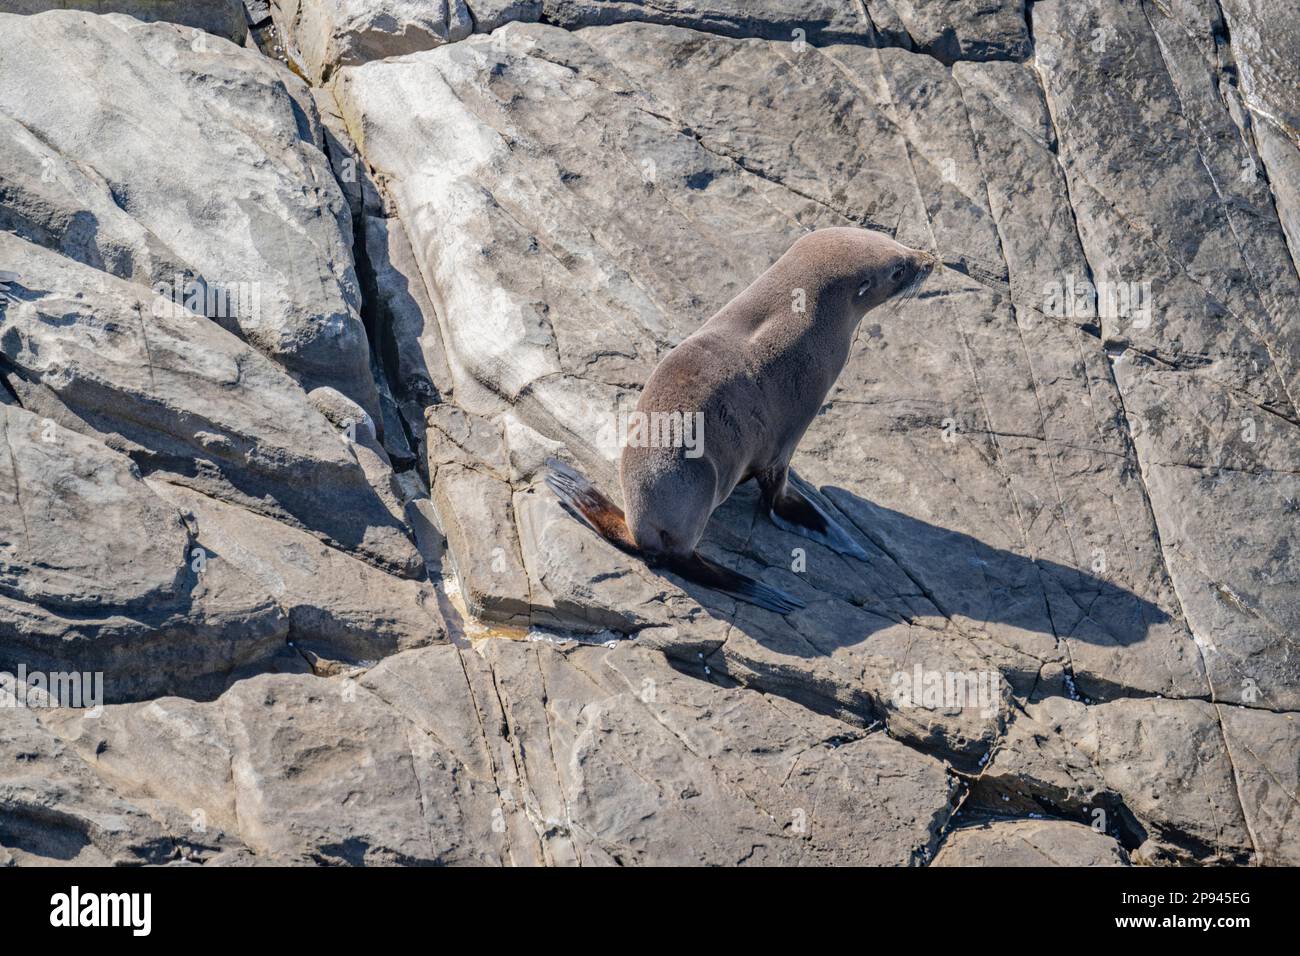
864 288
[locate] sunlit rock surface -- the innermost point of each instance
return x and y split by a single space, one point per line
340 619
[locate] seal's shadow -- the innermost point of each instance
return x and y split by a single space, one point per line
915 569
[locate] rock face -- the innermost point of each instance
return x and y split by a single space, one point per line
1158 772
570 253
99 569
1071 459
177 508
184 397
1030 843
224 18
333 33
263 237
1266 50
324 35
597 757
818 21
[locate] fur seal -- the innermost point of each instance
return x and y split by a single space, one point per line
755 375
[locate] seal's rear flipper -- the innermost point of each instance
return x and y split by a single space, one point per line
800 514
701 570
590 504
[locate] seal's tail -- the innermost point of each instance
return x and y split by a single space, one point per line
607 520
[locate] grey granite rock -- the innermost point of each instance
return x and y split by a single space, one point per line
103 575
264 231
55 810
322 35
529 754
818 21
223 18
185 398
69 208
408 335
1070 460
334 603
257 11
1262 747
587 292
1029 843
473 503
1224 478
490 14
1156 773
1219 292
1264 46
632 762
965 30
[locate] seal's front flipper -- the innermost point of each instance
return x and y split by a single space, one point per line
797 513
586 500
701 570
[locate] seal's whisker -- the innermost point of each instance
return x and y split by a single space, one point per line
909 291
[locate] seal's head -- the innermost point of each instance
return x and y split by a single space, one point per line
861 268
